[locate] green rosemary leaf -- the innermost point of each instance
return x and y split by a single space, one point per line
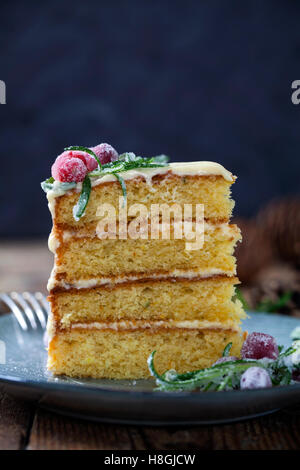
226 375
123 186
79 208
224 383
288 352
151 366
161 159
128 157
208 386
170 381
47 185
127 162
84 149
227 350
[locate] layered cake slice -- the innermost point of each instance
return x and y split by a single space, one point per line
127 279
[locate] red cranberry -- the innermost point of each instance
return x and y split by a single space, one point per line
106 153
255 377
89 161
68 169
258 346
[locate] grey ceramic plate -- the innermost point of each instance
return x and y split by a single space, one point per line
25 375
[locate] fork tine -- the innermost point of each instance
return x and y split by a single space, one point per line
25 306
43 301
36 307
15 310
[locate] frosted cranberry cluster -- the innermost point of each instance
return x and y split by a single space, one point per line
74 165
256 346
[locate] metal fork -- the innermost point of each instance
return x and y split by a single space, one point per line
30 310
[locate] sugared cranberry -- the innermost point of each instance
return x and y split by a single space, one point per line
89 161
255 377
68 169
106 153
258 346
226 359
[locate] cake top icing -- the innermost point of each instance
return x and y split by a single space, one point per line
81 168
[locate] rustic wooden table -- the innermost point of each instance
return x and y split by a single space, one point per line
26 266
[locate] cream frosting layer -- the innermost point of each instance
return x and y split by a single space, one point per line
201 168
67 235
101 281
152 325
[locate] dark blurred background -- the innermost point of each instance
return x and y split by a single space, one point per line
196 80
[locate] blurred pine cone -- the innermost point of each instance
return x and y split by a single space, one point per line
280 222
254 253
271 286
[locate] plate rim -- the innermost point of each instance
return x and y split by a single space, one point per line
81 389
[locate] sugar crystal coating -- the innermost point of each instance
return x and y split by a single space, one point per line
90 162
106 153
258 346
68 169
255 377
225 359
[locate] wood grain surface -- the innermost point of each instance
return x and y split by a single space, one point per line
26 266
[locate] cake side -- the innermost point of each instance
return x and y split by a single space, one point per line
211 190
114 301
86 259
123 354
210 299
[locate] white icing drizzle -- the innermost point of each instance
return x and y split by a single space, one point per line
201 168
53 242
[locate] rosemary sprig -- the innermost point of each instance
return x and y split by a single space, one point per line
129 161
171 381
223 376
47 185
79 208
123 186
226 351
